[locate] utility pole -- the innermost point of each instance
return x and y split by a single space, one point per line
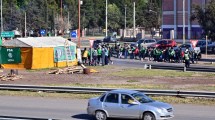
134 20
106 20
25 25
183 21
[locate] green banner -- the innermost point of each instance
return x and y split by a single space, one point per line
10 55
60 53
7 34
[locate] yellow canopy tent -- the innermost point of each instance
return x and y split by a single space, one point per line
43 52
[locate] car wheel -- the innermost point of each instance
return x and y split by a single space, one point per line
100 115
148 116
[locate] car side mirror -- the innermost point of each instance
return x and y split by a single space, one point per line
134 103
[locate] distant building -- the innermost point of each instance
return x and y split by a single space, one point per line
172 19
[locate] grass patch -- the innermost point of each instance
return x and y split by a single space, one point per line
117 86
203 88
98 67
132 81
163 73
178 100
168 99
209 63
136 85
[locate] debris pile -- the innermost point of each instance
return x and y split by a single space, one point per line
10 77
67 70
72 70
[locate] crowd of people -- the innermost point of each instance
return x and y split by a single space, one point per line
101 54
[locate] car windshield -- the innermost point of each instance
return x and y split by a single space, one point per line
160 42
185 46
140 41
142 98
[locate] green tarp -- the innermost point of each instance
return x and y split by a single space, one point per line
10 55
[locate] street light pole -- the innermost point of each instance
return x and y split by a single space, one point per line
61 9
106 20
134 20
125 16
1 18
183 21
79 23
206 45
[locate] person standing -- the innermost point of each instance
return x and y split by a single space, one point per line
142 53
106 55
136 53
126 46
187 59
103 55
85 55
120 52
99 51
150 53
95 54
110 55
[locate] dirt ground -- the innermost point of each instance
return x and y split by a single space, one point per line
104 76
41 77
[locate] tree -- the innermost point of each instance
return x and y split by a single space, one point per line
114 15
11 15
206 18
46 13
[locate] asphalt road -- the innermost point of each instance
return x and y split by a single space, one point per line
75 109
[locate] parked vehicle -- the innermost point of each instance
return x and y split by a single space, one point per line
96 43
128 39
196 50
146 42
130 104
202 45
164 44
110 39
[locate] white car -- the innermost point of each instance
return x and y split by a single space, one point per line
128 104
145 42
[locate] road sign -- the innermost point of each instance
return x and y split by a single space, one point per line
91 42
194 42
73 34
7 34
43 32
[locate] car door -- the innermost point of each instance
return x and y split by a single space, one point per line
111 104
127 109
146 42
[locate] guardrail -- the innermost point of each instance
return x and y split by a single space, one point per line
176 93
182 68
22 118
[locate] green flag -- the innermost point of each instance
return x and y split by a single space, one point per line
0 41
